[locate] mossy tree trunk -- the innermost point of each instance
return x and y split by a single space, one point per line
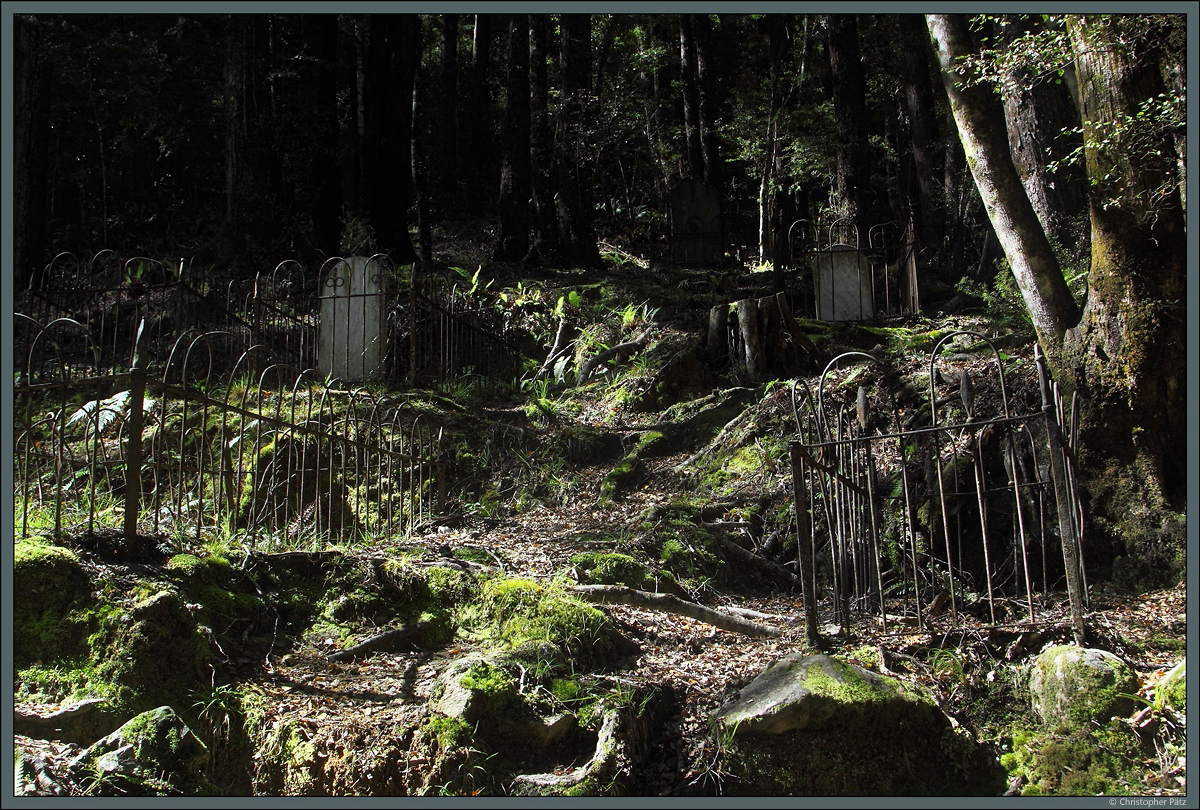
1125 353
1128 357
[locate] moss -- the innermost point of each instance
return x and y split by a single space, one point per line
516 612
446 732
618 569
51 619
1076 762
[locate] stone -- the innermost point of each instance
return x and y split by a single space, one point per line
1076 686
352 337
812 725
155 753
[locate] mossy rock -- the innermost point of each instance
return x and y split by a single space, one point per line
154 754
594 568
1076 687
47 620
1173 687
815 725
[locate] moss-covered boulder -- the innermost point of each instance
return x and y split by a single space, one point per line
815 725
52 586
1076 686
154 754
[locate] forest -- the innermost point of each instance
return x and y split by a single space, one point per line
623 439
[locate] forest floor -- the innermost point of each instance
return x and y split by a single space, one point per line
349 709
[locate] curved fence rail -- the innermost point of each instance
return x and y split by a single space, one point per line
222 439
959 506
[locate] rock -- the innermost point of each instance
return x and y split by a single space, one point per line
1075 686
815 692
155 753
814 725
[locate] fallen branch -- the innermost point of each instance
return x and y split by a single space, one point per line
745 555
562 344
620 350
668 603
386 640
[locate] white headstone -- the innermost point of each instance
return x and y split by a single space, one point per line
842 278
353 330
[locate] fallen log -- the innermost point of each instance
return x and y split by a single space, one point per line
668 603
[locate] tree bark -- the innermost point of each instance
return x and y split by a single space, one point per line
1127 355
853 190
444 160
985 142
322 181
706 76
1041 119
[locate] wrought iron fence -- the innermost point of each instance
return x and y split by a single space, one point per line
222 439
962 505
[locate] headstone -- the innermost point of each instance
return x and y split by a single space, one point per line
696 235
353 330
842 281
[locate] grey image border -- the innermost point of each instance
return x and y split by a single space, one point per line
7 494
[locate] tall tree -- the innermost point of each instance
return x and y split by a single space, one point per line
1124 354
444 160
1042 132
926 201
574 164
706 75
512 244
319 175
853 190
689 84
476 140
31 130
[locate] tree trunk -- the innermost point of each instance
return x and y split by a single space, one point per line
925 201
706 75
980 126
547 244
513 242
853 192
31 131
1041 120
477 143
694 157
1128 354
575 178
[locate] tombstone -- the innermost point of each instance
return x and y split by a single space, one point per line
696 236
353 330
842 282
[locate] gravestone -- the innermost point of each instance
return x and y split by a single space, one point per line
696 236
842 282
353 330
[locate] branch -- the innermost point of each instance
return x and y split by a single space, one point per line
585 372
385 640
668 603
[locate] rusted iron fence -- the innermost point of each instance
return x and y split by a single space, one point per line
848 276
962 505
346 325
219 439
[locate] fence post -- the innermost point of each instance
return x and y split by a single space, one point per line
133 452
804 542
1063 499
